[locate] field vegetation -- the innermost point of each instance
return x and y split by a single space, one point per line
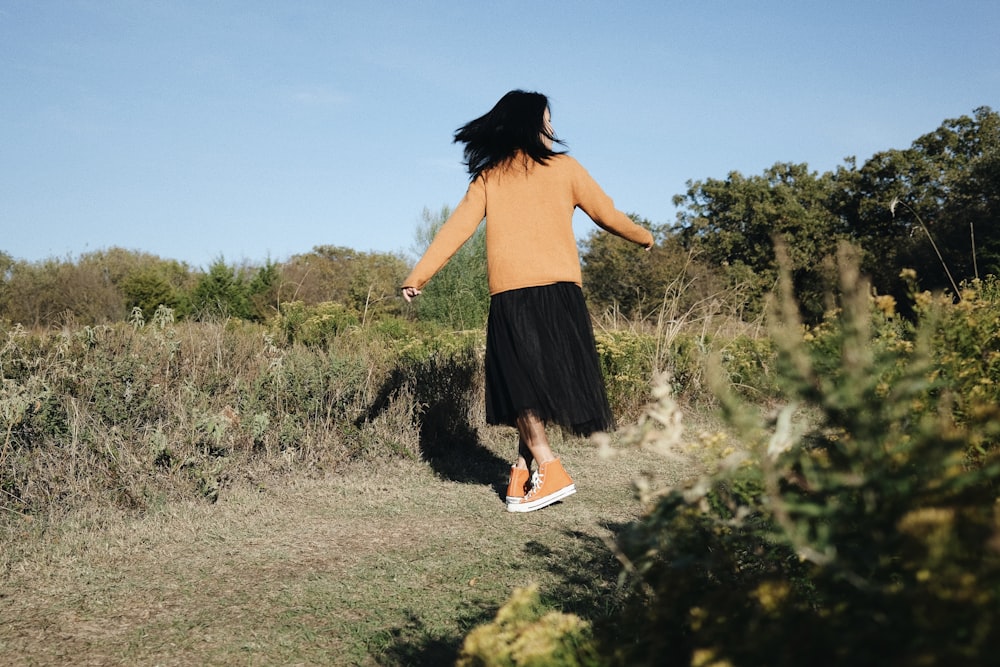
285 464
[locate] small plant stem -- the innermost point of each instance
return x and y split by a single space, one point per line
892 209
975 264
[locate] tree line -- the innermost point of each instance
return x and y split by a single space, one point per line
109 285
932 208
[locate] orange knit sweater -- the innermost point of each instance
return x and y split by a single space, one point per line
529 224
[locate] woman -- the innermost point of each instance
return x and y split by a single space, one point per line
541 361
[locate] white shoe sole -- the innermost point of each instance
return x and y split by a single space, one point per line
542 502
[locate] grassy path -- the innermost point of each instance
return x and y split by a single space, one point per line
382 565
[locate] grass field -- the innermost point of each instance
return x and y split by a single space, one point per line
385 563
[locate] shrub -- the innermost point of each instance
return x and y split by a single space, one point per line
525 634
853 529
315 326
626 363
458 295
631 359
967 345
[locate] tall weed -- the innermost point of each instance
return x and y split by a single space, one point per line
674 340
852 528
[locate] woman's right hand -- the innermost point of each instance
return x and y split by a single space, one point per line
410 293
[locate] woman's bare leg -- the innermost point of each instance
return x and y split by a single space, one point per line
524 457
533 439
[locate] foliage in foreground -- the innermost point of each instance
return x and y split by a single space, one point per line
867 534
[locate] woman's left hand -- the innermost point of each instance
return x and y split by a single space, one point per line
410 293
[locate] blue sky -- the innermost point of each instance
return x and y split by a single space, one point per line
199 129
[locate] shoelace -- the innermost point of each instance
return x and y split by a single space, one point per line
536 482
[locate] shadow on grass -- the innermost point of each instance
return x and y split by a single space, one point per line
586 572
414 647
444 387
587 585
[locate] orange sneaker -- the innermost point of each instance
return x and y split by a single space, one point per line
518 484
549 485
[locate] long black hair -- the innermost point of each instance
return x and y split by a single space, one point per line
515 123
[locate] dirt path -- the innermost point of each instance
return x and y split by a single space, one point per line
384 565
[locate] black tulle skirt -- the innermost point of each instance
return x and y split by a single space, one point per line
541 358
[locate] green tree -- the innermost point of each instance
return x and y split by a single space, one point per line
262 291
221 292
7 264
458 296
57 291
946 190
620 279
153 282
365 282
146 289
320 276
734 224
375 282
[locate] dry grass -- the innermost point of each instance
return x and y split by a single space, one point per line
385 563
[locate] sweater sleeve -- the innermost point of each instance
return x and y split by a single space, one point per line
601 209
457 229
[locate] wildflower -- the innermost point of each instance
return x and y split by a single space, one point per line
886 304
770 594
